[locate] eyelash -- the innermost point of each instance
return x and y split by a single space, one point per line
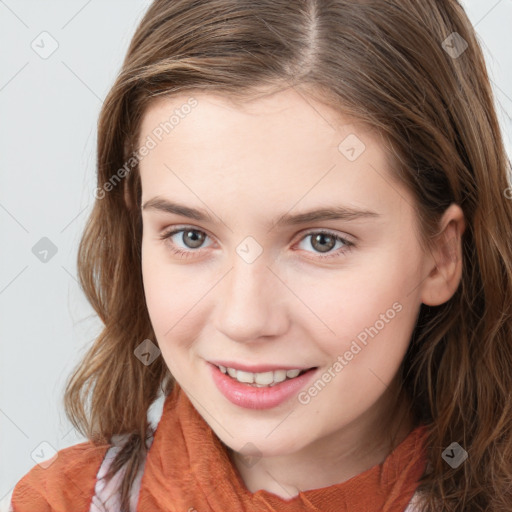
166 237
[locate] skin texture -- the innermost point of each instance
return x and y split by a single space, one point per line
248 164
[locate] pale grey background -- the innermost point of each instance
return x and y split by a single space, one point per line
48 112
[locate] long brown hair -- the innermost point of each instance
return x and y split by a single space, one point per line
402 67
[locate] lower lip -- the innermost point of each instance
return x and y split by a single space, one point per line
251 397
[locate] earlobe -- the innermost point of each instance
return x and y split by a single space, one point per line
445 263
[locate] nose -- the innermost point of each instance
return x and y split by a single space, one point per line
251 302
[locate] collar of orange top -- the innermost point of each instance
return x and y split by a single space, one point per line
188 468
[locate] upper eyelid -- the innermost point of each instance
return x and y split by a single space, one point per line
177 229
349 239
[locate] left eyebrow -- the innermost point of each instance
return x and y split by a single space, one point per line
331 213
286 219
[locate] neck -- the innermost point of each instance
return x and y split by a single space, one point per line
335 458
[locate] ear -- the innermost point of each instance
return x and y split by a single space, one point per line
444 262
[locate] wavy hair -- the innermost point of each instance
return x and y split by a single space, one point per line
395 65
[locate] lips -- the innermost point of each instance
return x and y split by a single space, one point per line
250 397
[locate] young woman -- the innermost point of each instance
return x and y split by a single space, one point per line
300 249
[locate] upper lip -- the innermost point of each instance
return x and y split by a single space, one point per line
258 368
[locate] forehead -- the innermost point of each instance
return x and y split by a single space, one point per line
260 108
282 123
282 146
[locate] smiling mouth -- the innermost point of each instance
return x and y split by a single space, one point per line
263 379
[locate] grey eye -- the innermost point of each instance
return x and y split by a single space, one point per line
192 238
322 242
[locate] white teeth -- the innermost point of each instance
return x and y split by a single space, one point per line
244 377
263 379
279 375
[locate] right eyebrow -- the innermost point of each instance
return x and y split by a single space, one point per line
166 206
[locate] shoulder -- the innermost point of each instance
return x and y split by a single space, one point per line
64 482
73 479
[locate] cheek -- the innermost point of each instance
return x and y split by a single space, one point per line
172 294
373 325
155 283
171 310
367 313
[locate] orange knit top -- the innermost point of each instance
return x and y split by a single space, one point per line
187 469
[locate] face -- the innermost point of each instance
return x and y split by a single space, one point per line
237 270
